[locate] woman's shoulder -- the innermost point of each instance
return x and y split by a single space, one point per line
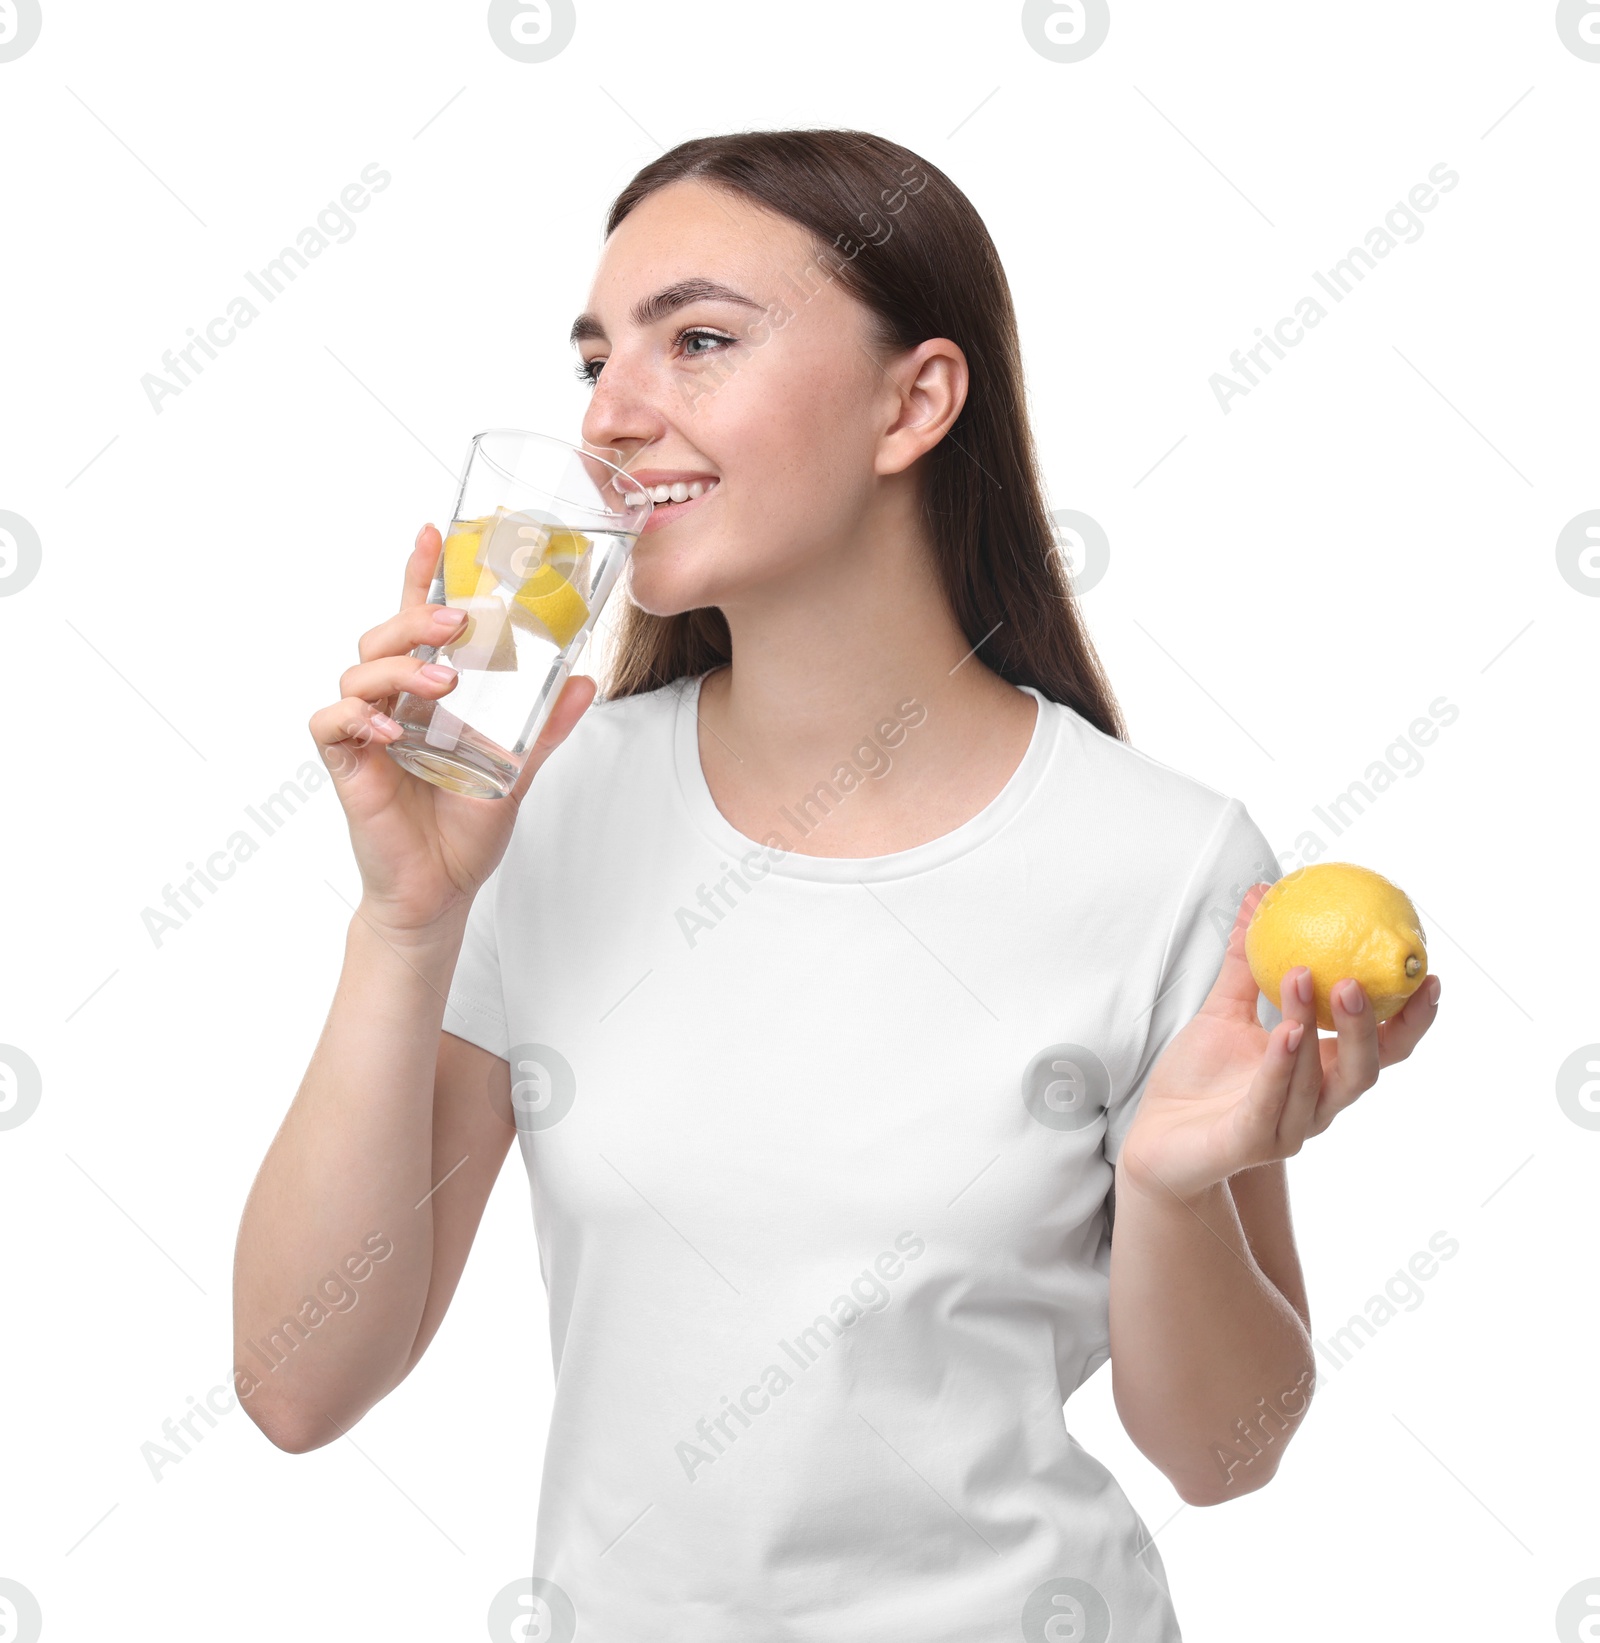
621 743
1123 767
615 719
1147 797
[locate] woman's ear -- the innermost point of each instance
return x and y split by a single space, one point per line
929 385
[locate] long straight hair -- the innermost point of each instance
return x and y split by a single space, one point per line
904 241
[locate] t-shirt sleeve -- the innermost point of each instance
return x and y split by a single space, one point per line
475 1006
1236 856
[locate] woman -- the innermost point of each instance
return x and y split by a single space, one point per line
843 981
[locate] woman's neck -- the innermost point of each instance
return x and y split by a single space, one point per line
893 691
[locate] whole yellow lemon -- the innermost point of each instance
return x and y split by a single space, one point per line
1339 920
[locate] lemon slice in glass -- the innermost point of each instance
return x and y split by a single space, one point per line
471 586
549 605
514 547
464 575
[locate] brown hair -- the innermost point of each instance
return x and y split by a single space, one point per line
934 272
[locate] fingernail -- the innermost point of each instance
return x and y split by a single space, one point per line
1303 986
420 535
386 724
445 618
432 670
1351 1000
1433 990
1292 1037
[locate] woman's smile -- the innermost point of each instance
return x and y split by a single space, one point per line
673 494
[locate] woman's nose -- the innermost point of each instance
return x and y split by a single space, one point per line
622 411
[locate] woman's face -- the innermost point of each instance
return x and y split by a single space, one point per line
766 393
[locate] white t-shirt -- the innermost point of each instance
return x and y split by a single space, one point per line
819 1152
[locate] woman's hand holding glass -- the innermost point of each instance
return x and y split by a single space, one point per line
422 851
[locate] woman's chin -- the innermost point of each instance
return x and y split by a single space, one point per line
657 591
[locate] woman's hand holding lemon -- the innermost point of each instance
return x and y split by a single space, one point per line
1227 1094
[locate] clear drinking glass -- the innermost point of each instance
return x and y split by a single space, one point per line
540 533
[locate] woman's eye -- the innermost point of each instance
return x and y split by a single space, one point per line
588 370
700 336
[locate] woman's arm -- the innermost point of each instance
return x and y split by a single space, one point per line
1261 1196
355 1231
353 1237
472 1133
1211 1365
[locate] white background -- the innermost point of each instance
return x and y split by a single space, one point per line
1290 585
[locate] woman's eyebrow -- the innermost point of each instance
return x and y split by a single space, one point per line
649 309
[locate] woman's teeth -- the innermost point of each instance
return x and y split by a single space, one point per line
675 492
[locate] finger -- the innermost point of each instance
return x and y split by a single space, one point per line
414 625
345 730
573 702
1234 992
1297 1002
378 681
420 567
1353 1066
1261 1115
1399 1035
